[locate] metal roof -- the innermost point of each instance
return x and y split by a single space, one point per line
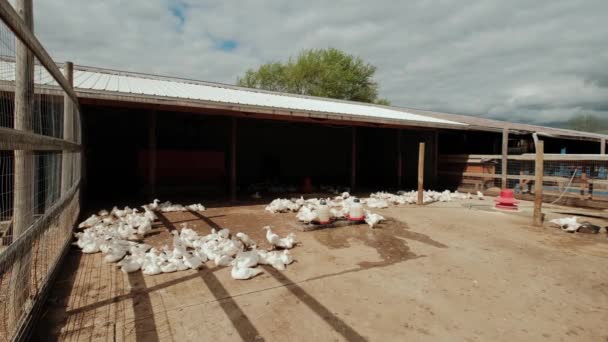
106 83
111 81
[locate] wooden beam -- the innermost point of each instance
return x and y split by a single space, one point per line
24 104
505 156
421 173
603 146
24 177
538 184
399 160
353 160
152 162
233 151
11 139
68 132
23 27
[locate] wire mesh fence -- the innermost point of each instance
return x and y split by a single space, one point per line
39 172
567 179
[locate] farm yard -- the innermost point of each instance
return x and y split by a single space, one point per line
454 270
269 244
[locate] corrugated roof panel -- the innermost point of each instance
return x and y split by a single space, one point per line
123 84
87 81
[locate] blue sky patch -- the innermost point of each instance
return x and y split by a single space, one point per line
227 44
178 10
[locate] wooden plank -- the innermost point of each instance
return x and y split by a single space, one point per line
421 173
603 146
505 156
68 134
463 158
538 184
517 177
24 173
11 139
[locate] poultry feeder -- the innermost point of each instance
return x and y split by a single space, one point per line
355 212
507 201
324 216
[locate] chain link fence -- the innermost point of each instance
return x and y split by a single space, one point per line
40 164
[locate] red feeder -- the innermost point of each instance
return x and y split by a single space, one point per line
507 201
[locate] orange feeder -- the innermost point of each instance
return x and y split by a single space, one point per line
507 201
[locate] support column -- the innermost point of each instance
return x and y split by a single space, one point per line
505 156
353 159
538 183
233 142
603 146
399 161
421 174
152 155
68 131
24 180
436 160
24 103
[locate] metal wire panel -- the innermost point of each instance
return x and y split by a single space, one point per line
39 178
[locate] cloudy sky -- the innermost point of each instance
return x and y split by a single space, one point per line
531 61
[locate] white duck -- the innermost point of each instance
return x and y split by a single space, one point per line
90 222
372 219
271 237
193 262
222 260
246 240
129 264
224 233
246 259
243 273
287 242
150 265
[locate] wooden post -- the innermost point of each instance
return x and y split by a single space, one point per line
421 174
603 146
538 183
233 161
436 159
353 160
505 156
24 167
68 131
399 161
24 101
152 153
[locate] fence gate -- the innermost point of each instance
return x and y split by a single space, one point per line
40 168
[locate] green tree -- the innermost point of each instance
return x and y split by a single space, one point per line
318 72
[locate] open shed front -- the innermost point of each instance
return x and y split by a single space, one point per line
135 153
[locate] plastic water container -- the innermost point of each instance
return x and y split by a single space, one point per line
355 212
323 213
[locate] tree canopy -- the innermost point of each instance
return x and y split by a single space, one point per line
318 72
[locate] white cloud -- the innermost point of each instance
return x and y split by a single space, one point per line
534 61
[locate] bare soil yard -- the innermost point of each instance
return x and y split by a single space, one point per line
455 271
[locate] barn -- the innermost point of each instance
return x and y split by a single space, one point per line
147 135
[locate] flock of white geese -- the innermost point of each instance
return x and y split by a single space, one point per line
341 205
118 234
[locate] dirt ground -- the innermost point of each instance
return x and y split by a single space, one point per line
456 271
